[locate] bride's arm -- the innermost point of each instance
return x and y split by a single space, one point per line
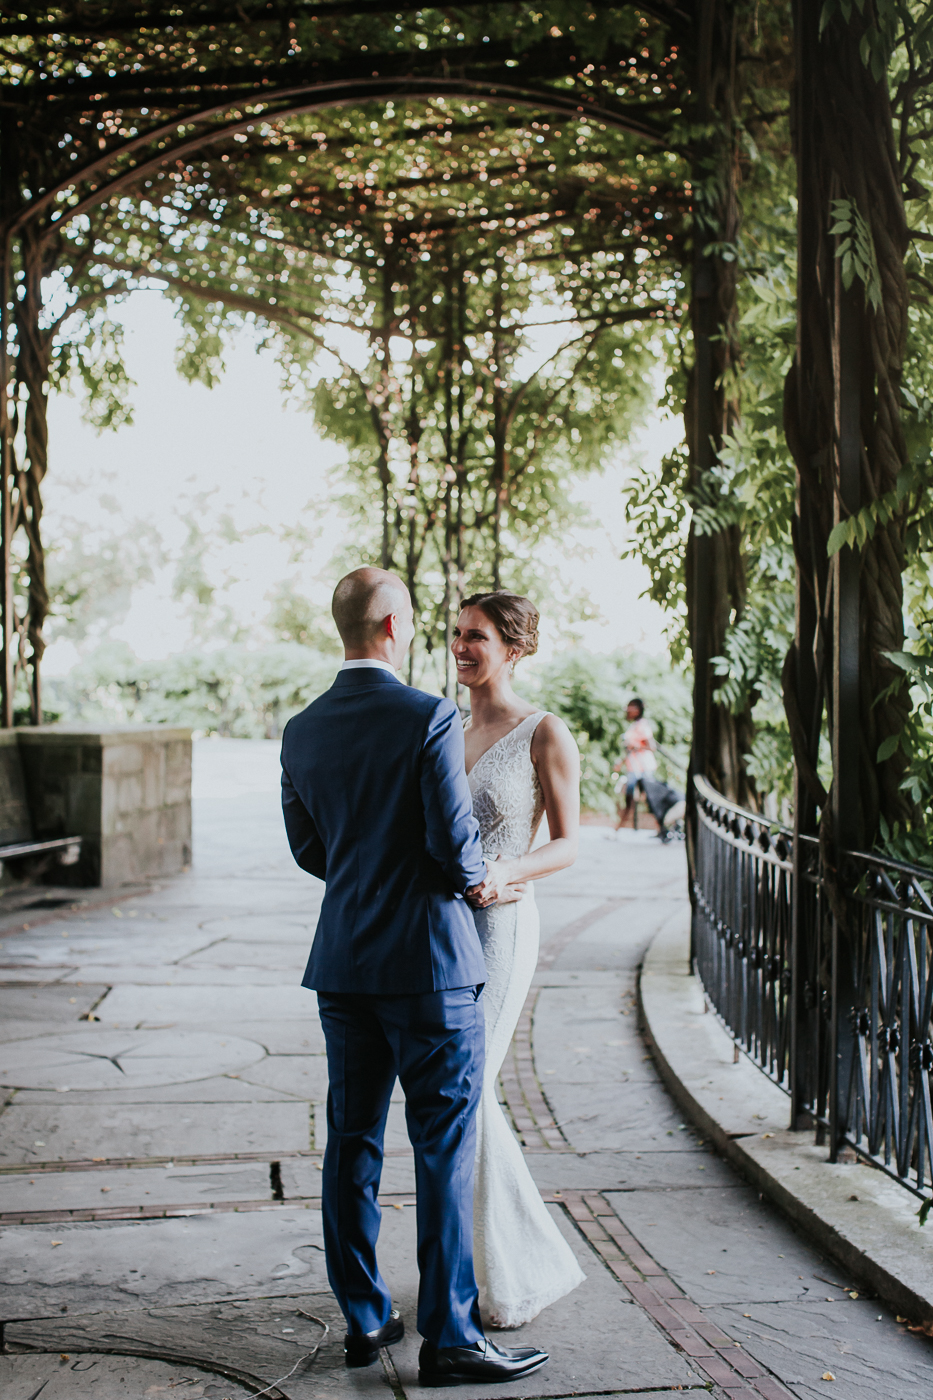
557 761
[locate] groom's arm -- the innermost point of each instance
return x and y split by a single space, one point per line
307 846
452 835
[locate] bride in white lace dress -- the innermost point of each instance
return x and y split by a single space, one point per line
521 764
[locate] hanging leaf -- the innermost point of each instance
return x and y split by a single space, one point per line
839 535
887 747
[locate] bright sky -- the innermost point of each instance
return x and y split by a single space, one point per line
236 451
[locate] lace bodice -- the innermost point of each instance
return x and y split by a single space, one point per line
507 797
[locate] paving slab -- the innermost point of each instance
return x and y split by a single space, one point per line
15 1029
220 1089
871 1356
263 1338
721 1244
304 1076
135 1186
30 973
592 977
628 1171
147 942
555 911
97 1058
108 1266
63 1131
46 1004
592 1117
285 889
597 1338
301 1177
295 927
173 974
582 1036
205 1003
61 1376
40 904
236 954
616 940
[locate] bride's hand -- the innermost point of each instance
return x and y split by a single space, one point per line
498 875
512 894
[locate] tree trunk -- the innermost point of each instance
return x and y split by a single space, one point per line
715 567
32 370
844 429
6 476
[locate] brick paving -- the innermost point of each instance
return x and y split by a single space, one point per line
715 1353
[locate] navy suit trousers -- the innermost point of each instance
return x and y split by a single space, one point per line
433 1043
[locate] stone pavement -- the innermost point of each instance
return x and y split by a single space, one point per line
161 1137
859 1215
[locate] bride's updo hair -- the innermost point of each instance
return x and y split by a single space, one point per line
515 618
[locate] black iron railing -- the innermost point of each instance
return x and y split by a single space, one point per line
827 985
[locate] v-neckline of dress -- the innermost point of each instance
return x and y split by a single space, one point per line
503 738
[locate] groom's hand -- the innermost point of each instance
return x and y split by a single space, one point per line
511 894
482 895
474 896
495 888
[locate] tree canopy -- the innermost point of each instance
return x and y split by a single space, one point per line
470 236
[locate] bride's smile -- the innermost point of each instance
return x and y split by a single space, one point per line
478 649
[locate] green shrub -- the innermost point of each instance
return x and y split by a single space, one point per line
234 691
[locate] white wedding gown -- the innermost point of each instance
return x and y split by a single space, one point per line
522 1261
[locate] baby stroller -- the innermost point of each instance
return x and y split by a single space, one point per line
667 806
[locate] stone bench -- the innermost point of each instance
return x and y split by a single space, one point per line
21 854
124 791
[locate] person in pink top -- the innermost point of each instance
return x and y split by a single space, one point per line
639 759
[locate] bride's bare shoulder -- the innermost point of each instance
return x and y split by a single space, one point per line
553 742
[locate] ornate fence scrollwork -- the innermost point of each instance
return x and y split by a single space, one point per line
864 989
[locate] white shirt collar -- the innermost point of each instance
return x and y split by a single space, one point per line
368 661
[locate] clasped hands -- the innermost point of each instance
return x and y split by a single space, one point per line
497 887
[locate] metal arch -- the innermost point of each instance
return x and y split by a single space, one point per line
241 86
356 93
32 29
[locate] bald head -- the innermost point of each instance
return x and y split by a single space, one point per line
362 603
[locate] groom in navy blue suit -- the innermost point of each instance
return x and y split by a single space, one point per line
377 805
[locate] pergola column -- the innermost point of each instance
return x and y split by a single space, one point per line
9 201
715 568
842 419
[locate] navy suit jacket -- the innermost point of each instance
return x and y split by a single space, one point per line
377 805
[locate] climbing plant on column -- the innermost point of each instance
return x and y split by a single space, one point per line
864 105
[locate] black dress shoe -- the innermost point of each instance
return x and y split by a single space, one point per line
363 1350
483 1361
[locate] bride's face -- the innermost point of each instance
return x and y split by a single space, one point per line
480 653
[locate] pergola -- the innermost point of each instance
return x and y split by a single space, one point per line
101 97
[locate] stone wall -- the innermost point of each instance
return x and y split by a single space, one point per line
15 824
126 791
